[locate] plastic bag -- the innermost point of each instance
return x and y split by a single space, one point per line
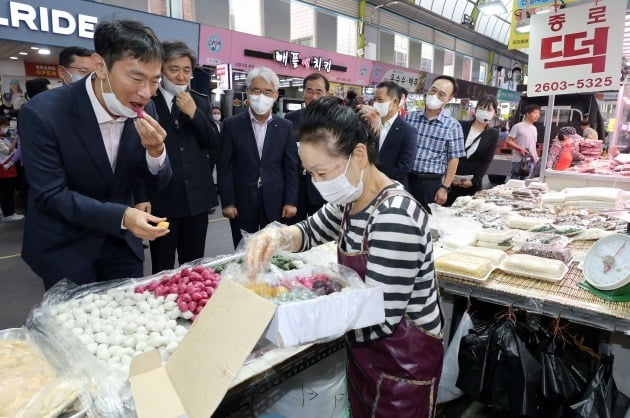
601 399
561 380
470 359
448 389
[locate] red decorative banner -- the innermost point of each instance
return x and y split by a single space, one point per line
33 69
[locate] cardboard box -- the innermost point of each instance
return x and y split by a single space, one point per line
193 382
195 379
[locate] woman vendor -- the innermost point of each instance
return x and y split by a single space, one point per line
480 144
382 233
564 149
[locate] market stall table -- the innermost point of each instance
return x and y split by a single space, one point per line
564 298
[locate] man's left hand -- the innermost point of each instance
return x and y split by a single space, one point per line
152 135
186 104
288 211
440 196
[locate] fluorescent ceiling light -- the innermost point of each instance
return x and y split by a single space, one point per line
35 47
13 58
23 53
492 7
44 51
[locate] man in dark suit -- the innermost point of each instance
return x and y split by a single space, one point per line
309 200
190 194
85 153
258 164
397 141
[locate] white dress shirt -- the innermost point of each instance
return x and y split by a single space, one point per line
470 141
111 131
260 131
168 98
385 130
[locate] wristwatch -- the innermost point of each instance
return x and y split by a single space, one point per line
447 188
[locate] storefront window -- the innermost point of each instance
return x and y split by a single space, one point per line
245 16
346 36
426 58
483 70
175 9
302 24
449 63
401 50
467 69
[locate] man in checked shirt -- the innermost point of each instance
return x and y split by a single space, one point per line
440 144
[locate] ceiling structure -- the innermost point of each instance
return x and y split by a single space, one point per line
494 27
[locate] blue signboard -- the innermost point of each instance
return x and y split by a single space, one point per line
72 22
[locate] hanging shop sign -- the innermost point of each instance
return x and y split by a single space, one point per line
224 73
577 49
73 22
32 69
413 81
521 19
294 60
220 46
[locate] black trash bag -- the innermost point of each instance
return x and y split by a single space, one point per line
511 374
472 350
561 381
600 398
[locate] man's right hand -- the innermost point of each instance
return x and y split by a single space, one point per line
137 222
230 212
522 151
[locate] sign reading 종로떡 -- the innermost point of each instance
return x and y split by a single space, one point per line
577 49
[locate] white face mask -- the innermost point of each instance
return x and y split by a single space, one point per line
171 87
114 105
3 131
382 108
339 190
73 77
260 103
433 102
484 116
216 117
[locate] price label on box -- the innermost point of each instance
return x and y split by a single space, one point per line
577 49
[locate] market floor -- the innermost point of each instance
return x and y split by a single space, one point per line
21 289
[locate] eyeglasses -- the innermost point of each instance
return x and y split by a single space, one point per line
256 91
440 94
80 70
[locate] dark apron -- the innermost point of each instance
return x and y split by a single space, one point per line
394 376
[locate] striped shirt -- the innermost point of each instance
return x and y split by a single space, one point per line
439 140
400 258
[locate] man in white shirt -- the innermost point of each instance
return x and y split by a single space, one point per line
85 153
397 142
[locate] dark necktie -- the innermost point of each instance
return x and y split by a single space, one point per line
175 112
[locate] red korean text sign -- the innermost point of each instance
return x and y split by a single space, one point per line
577 49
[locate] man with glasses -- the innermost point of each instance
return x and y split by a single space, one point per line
439 146
85 151
184 115
257 165
75 63
309 200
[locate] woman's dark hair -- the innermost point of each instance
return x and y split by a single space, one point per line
325 121
119 39
34 86
486 101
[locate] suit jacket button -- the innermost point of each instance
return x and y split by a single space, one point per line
181 148
186 181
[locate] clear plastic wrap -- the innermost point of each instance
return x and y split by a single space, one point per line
551 238
30 387
547 251
315 303
97 328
